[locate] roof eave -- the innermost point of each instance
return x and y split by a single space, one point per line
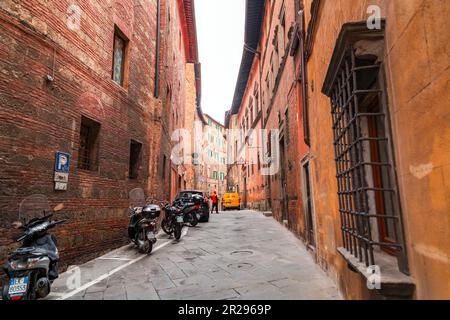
253 23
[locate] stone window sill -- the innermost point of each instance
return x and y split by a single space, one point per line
394 284
121 88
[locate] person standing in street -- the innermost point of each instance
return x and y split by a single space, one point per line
215 202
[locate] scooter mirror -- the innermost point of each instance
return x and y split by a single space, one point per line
59 207
17 224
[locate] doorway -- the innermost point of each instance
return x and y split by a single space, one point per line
283 183
307 198
173 184
245 193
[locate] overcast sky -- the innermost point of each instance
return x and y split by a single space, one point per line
220 31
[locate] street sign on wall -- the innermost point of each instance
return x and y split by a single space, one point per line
61 170
61 177
62 162
60 186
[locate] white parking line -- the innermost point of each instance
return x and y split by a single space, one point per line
112 258
110 273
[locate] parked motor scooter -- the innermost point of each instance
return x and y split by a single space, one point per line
173 221
33 267
142 228
179 213
191 209
169 220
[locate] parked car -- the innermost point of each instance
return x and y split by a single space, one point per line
186 196
231 201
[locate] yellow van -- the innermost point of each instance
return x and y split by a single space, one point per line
231 201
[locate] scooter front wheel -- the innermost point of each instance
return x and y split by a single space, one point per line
147 247
177 231
5 287
144 244
167 227
194 220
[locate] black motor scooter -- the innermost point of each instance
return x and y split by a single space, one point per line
142 228
32 268
173 221
179 213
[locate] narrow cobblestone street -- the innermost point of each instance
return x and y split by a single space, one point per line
237 255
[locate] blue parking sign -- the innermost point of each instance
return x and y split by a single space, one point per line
62 163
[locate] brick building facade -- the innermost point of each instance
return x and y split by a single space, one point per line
268 97
364 158
91 80
213 157
180 91
398 99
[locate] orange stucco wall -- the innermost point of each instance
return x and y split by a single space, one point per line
418 83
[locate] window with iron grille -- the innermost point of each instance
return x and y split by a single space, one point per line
251 112
88 144
135 158
276 53
298 7
286 116
256 95
163 166
365 170
282 33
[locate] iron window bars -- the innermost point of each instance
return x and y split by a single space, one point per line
366 186
88 144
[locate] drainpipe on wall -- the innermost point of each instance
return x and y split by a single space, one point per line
158 45
267 192
304 77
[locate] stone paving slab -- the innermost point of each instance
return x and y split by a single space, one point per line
162 282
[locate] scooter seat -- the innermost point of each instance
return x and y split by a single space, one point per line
30 251
23 251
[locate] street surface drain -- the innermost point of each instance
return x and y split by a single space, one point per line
240 266
242 253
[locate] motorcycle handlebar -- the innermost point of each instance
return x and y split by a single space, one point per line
55 223
21 238
49 226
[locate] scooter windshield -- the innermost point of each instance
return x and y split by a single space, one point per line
32 207
136 198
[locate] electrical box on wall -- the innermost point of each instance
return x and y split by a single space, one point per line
61 170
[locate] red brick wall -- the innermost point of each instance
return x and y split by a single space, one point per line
284 97
254 188
39 118
284 94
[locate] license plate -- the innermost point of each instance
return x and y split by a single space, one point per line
18 286
180 219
